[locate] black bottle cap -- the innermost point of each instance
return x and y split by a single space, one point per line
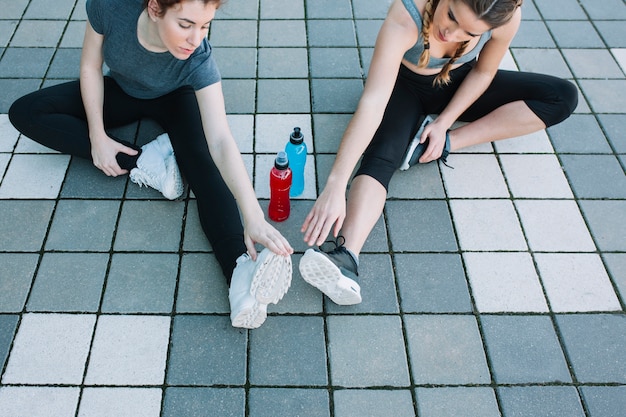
296 136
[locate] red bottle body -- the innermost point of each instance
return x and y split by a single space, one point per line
280 183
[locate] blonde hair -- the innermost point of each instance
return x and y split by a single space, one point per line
493 12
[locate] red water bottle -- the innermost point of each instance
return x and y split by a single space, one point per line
280 183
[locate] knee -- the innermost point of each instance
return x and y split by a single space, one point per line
19 113
569 94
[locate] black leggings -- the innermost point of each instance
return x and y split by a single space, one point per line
551 99
55 117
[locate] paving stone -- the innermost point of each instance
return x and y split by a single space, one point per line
538 401
432 283
606 223
283 96
15 9
16 277
576 282
270 402
282 33
554 226
283 63
83 180
38 33
614 126
14 89
8 325
371 9
69 282
335 63
66 63
605 401
41 9
158 231
445 349
204 402
206 350
302 297
83 225
535 176
566 136
605 96
592 63
374 403
236 62
241 9
524 349
50 349
376 279
335 33
574 34
475 176
324 92
129 350
282 9
542 60
609 9
122 402
429 232
73 35
330 9
487 225
420 182
22 181
297 356
560 9
272 132
240 96
537 142
616 266
233 33
457 402
366 351
141 283
595 346
533 34
595 176
39 401
17 214
504 282
202 287
8 134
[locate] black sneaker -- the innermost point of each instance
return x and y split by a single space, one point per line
334 273
416 149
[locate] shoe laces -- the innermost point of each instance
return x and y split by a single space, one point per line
339 247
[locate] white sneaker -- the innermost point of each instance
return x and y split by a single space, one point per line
157 168
255 284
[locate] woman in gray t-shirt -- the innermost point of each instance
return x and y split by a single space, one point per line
161 67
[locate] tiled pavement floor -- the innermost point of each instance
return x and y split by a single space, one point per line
495 288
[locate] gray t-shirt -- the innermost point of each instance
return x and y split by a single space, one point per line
139 72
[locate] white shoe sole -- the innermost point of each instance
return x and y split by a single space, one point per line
323 274
414 143
270 283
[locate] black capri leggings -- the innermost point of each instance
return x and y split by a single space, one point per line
55 117
551 99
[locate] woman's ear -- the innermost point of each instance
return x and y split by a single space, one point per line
154 10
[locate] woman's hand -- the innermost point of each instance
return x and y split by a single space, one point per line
435 132
103 153
328 210
260 231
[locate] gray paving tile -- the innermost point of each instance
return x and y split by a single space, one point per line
457 402
16 277
128 351
567 138
14 89
330 33
237 33
592 63
50 349
366 351
297 356
122 402
41 9
204 402
236 62
325 91
283 96
73 35
613 33
24 224
524 349
431 231
595 346
38 33
376 279
283 63
574 34
605 96
14 9
7 28
595 176
614 126
241 9
141 283
608 9
22 181
373 403
84 180
335 63
65 64
606 223
605 401
537 401
371 9
202 287
367 32
420 182
478 176
157 231
50 401
432 283
328 9
616 266
529 11
282 33
206 350
270 402
8 325
560 9
25 62
533 34
541 60
446 349
69 282
83 225
282 9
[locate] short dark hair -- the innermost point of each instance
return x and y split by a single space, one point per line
164 5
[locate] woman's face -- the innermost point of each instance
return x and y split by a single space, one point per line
454 21
183 27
